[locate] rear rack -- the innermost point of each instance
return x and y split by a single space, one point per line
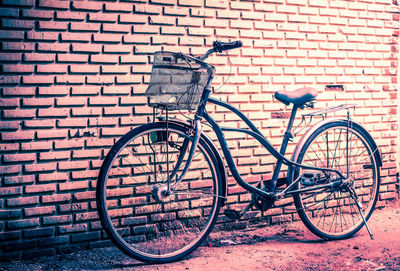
306 119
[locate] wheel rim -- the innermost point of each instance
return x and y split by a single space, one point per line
148 218
332 212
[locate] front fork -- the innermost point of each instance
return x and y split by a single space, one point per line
196 138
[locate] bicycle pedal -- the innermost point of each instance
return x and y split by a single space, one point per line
232 214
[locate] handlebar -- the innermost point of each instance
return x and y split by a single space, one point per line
223 46
219 46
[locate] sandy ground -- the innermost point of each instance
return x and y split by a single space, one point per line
281 247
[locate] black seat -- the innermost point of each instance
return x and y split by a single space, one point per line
298 97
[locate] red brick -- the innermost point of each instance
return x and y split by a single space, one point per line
107 38
10 57
85 90
72 58
51 187
148 29
54 155
70 79
118 49
10 102
118 7
50 134
68 186
39 57
35 102
88 174
54 91
9 12
18 46
19 113
47 36
22 201
73 228
56 198
35 211
107 59
19 157
53 112
115 69
10 80
86 216
36 146
42 167
59 219
80 112
11 35
68 144
70 16
87 48
5 147
85 27
38 79
79 154
50 177
73 165
19 135
52 69
103 101
41 14
89 6
12 169
70 101
117 111
102 17
19 24
43 25
88 195
14 180
23 223
7 191
113 28
84 69
148 9
54 4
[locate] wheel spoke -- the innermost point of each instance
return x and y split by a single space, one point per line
331 212
158 224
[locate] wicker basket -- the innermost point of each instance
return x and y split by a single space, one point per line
176 82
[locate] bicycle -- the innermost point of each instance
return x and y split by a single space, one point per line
162 185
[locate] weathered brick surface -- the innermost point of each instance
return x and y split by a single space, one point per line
73 76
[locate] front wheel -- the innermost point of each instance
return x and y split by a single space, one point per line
145 211
332 212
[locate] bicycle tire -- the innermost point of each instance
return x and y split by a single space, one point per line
331 214
157 227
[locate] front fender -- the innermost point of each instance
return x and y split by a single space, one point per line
319 124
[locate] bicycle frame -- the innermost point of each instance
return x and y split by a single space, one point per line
256 134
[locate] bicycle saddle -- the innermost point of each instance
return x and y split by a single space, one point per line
298 97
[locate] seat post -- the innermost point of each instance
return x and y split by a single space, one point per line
271 185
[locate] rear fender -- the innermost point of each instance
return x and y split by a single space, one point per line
315 127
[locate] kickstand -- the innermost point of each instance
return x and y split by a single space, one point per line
359 206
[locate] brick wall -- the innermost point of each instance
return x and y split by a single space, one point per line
74 74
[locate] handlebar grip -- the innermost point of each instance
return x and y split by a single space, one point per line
220 46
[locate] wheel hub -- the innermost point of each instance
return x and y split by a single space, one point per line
161 193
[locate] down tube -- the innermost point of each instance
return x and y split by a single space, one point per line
229 159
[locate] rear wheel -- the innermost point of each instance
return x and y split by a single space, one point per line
332 212
144 210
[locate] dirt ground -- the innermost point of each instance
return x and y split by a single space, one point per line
281 247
